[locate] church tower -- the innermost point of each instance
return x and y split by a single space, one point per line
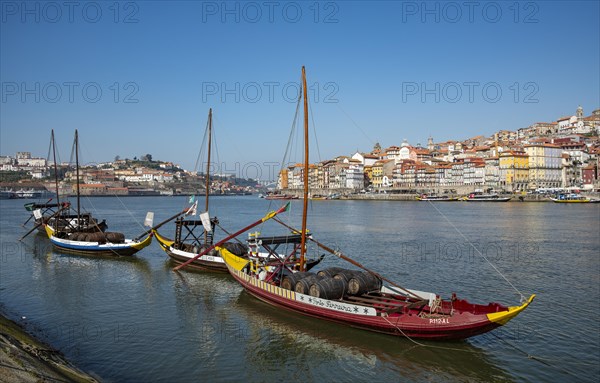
430 143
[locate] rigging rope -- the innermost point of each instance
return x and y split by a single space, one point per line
355 124
314 126
292 134
523 298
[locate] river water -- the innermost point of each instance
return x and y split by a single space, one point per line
135 320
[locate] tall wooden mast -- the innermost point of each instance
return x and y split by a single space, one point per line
55 167
305 192
208 168
77 175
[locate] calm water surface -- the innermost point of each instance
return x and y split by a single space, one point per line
134 320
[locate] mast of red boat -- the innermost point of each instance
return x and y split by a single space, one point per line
305 193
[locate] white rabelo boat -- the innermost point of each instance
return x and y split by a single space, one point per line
192 236
357 297
84 235
196 236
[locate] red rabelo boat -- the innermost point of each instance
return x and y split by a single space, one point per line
359 298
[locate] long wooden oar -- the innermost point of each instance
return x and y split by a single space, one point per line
31 216
352 261
184 211
263 219
41 223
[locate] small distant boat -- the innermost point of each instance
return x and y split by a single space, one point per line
574 198
436 198
480 197
281 196
7 194
32 194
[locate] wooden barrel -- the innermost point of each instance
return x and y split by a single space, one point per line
303 285
345 274
95 237
74 236
114 237
289 281
329 272
363 282
328 288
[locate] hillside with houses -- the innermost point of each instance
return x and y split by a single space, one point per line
544 155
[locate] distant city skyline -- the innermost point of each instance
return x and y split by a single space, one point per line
139 77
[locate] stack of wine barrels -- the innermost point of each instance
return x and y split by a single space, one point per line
332 283
289 281
100 237
303 285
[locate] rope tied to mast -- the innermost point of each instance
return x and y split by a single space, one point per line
522 297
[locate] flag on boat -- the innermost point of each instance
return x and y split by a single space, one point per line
37 213
192 198
193 210
149 219
205 218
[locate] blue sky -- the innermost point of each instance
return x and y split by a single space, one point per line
139 77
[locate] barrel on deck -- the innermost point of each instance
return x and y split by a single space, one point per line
345 274
289 281
328 288
362 283
303 285
329 272
114 237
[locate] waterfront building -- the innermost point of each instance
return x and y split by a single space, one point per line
514 170
443 173
492 172
282 180
571 171
366 159
545 165
355 176
589 176
457 173
425 175
474 171
382 170
90 189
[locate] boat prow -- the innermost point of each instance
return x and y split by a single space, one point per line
502 317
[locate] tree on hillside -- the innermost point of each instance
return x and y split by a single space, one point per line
146 157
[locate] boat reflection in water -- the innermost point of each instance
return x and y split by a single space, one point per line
343 351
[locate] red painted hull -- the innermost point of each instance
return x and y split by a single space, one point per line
461 324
